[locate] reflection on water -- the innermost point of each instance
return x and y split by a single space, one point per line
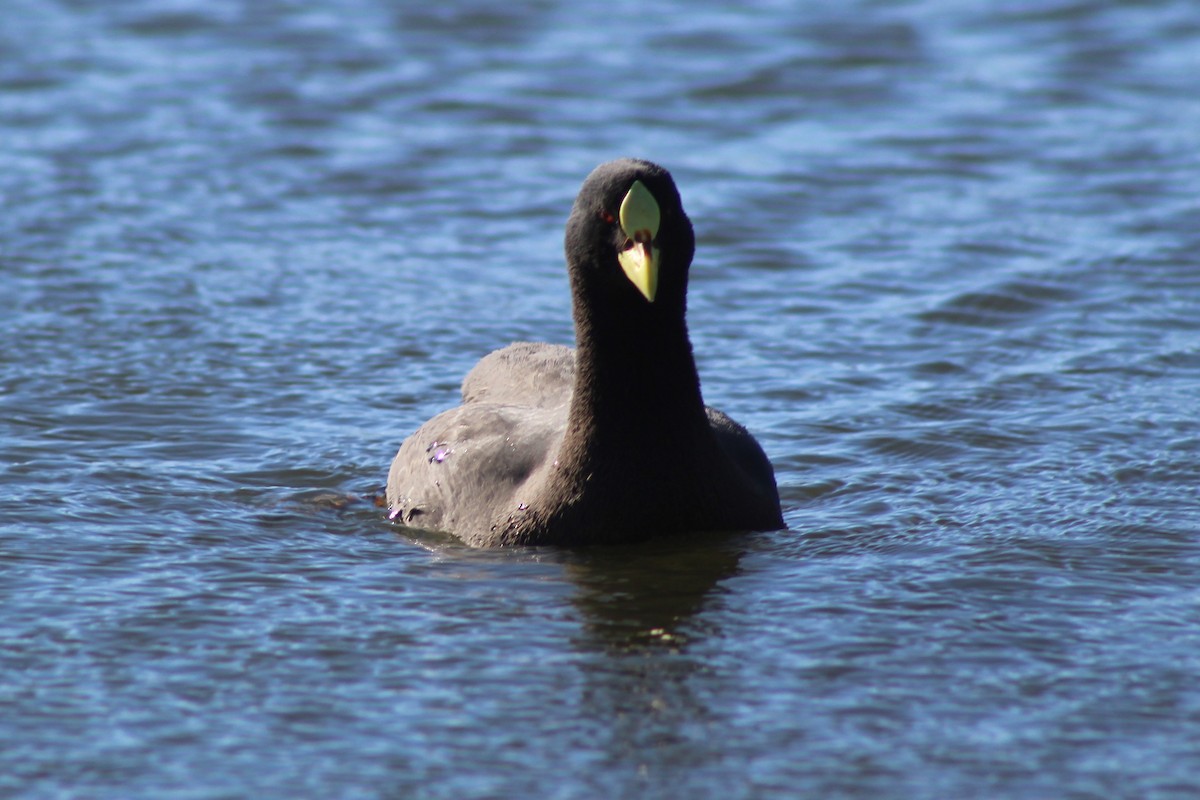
646 598
642 612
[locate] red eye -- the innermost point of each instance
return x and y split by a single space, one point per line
607 217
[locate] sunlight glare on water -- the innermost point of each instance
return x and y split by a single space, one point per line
946 272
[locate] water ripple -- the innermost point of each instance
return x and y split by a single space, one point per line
946 272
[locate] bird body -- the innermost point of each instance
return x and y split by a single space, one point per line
608 442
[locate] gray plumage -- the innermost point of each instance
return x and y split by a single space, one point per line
610 441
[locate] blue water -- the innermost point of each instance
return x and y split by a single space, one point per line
947 272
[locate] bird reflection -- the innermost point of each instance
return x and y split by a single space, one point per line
646 596
645 655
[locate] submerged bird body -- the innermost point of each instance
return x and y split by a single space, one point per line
608 442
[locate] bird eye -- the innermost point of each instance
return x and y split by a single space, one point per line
607 217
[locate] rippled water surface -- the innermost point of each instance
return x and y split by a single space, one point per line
948 272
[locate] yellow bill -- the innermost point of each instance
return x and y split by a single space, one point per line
640 219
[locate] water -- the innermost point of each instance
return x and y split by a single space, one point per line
948 274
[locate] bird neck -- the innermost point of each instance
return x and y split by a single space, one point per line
637 437
635 383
